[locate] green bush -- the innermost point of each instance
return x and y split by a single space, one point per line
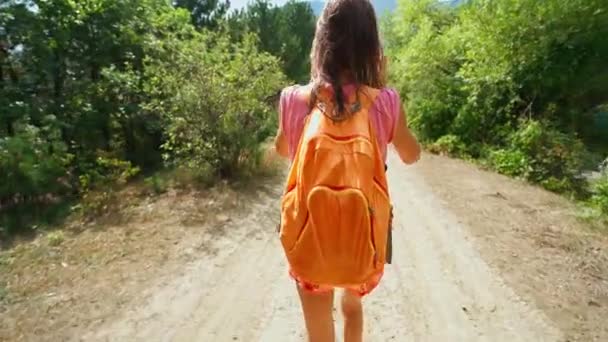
100 183
556 158
508 81
107 172
126 85
215 122
34 164
542 154
510 162
55 238
595 208
424 57
156 184
599 194
450 145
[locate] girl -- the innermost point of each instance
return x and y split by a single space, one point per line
346 55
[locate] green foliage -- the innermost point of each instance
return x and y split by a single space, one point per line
100 183
599 194
594 131
423 62
510 162
450 145
205 13
93 92
595 208
156 184
518 77
33 162
544 155
55 238
107 172
556 158
57 109
284 31
217 121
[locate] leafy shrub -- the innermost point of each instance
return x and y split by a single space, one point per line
217 120
107 172
604 166
556 158
541 154
595 208
34 164
423 52
449 145
509 162
156 184
126 82
99 184
508 79
55 238
599 194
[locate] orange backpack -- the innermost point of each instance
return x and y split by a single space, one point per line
335 211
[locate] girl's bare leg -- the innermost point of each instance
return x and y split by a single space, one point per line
318 314
352 309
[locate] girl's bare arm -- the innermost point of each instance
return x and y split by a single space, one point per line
280 141
404 141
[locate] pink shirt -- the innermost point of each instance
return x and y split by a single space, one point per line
384 114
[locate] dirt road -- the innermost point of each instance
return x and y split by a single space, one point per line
438 288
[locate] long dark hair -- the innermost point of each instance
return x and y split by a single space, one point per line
346 44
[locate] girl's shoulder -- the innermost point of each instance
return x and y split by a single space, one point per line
294 99
388 94
299 94
385 115
293 107
387 103
296 92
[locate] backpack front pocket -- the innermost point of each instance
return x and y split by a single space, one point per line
336 243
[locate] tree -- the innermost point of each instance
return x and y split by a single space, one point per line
283 31
510 81
298 25
205 13
77 87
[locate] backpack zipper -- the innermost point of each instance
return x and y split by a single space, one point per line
371 216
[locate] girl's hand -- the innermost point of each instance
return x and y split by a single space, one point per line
280 144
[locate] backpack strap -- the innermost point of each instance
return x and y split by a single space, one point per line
368 99
364 95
